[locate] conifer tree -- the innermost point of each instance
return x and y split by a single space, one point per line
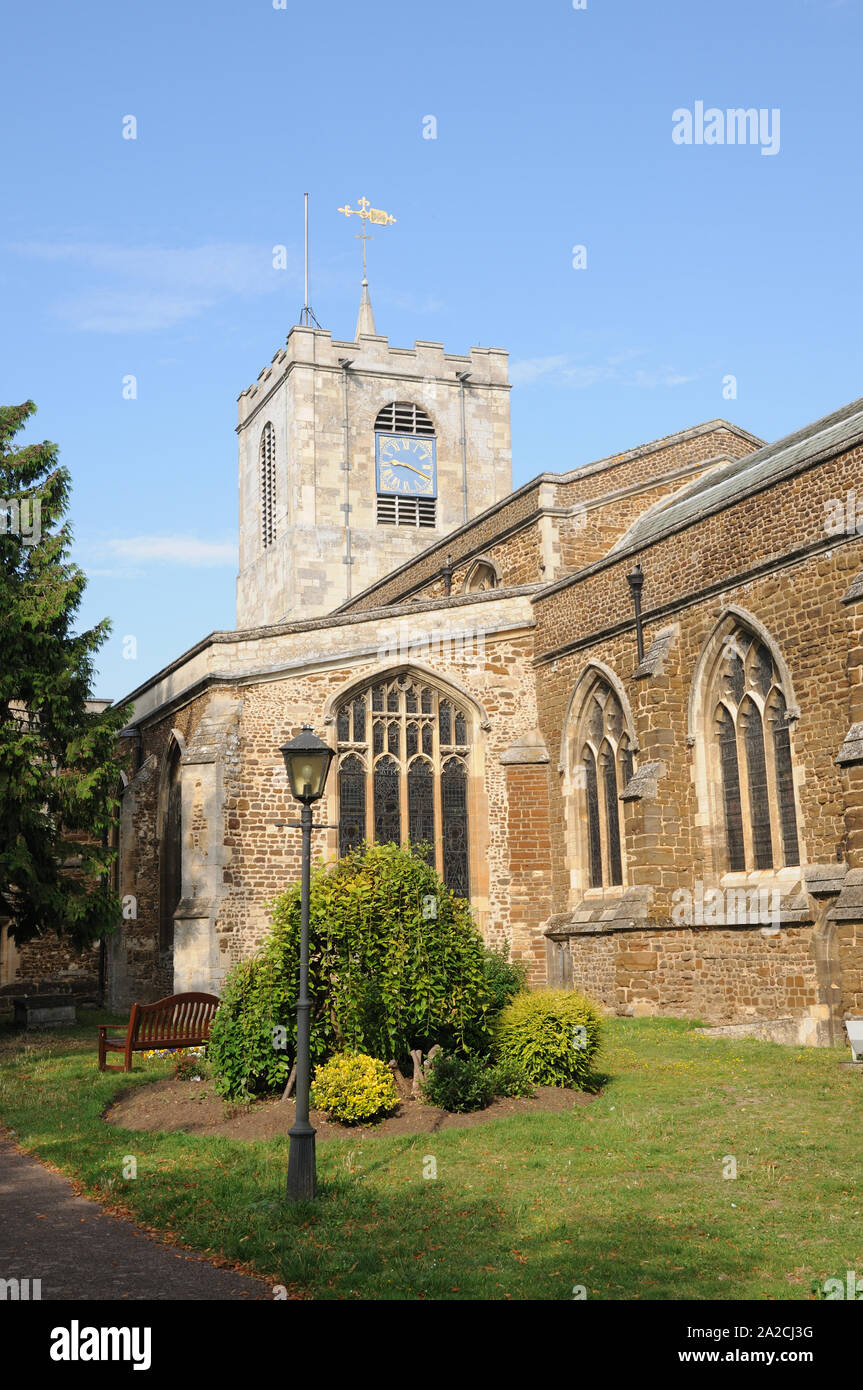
59 765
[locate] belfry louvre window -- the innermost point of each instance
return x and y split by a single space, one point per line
604 766
406 511
404 752
268 485
403 417
753 744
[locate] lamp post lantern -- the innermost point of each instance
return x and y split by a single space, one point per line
307 761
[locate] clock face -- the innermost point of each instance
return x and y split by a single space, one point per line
406 465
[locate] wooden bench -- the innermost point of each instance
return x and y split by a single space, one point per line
181 1020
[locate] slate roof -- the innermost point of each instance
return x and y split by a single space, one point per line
833 434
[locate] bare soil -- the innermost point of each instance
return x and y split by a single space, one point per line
194 1108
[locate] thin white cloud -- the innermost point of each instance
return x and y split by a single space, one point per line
175 550
563 370
142 289
531 369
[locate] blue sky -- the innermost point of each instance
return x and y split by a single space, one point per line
153 257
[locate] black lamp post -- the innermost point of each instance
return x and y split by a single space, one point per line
307 760
635 580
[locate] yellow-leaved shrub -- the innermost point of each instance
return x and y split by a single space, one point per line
353 1088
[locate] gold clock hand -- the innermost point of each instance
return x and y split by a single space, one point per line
397 463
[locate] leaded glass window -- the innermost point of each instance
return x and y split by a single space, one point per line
412 784
755 766
612 819
455 841
730 789
784 778
387 804
352 803
593 836
606 764
421 803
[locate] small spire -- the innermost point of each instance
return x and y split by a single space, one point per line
365 318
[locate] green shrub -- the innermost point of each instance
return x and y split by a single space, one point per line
353 1088
553 1034
243 1048
459 1084
395 963
509 1078
505 978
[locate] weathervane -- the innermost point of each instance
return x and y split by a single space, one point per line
366 213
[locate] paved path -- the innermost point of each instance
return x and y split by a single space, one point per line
80 1251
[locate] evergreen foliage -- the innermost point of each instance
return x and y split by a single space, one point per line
59 766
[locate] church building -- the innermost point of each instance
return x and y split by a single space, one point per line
623 702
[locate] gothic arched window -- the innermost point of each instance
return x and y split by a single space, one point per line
603 766
752 752
483 576
406 418
404 753
170 849
268 485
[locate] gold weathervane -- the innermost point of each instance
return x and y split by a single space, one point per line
366 213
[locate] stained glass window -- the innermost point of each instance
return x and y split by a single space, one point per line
612 821
785 781
593 836
397 789
352 803
421 804
606 765
455 841
731 790
752 732
359 721
759 805
445 725
387 803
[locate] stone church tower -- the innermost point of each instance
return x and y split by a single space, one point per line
356 456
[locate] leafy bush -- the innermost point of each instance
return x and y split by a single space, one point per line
243 1038
553 1034
395 963
353 1088
509 1078
459 1084
505 978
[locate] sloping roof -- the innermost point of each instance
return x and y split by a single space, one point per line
833 434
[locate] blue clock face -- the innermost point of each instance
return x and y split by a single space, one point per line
406 465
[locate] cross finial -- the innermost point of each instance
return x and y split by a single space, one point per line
366 213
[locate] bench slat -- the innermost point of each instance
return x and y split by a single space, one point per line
181 1020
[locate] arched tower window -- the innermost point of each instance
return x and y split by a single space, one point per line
404 750
170 849
268 485
406 466
748 755
602 765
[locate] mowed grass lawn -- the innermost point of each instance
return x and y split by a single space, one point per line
625 1196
